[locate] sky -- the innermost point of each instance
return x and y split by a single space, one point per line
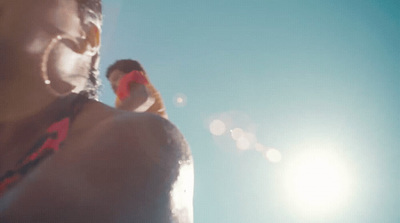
291 108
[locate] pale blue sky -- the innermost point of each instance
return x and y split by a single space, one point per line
292 73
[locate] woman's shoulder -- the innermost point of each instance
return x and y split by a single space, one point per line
141 151
98 119
100 127
114 164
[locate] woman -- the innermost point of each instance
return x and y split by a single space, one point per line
65 157
133 88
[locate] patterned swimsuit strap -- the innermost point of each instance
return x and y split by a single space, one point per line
57 132
47 144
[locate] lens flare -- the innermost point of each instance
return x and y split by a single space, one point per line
217 127
236 133
243 143
180 100
259 147
273 155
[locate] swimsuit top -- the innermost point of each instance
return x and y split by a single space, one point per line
49 143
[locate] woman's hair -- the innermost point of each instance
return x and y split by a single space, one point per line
125 66
93 84
94 5
91 11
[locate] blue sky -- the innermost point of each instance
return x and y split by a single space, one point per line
301 77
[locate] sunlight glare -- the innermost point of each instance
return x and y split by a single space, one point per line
182 192
318 182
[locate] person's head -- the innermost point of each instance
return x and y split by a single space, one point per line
119 68
58 36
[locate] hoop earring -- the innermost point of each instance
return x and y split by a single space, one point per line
45 60
92 82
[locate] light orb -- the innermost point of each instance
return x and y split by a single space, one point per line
273 155
217 127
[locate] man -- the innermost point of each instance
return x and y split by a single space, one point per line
133 88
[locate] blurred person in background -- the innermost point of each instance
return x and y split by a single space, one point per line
133 89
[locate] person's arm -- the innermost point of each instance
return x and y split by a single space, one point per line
143 98
128 168
158 106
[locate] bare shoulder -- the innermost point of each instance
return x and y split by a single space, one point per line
103 123
154 161
139 132
114 167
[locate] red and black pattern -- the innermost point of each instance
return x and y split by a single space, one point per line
48 144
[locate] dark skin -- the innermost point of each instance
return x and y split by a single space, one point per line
103 174
115 166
